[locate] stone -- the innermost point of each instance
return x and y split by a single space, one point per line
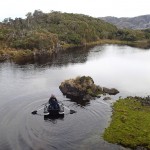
107 98
111 91
82 87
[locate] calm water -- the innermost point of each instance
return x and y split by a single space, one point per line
24 88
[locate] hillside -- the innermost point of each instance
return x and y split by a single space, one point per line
47 30
41 33
139 22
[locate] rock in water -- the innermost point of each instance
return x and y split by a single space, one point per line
111 91
82 87
107 98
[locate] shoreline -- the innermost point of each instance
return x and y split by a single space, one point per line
18 54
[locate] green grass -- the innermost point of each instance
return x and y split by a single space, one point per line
14 54
139 44
130 125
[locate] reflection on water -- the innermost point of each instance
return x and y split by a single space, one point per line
79 101
25 87
53 119
62 58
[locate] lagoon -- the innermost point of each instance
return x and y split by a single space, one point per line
25 86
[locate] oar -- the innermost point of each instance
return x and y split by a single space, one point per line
35 111
71 111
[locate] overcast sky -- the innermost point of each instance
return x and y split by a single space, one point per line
95 8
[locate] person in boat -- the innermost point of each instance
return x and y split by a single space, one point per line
53 102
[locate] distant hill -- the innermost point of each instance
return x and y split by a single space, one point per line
139 22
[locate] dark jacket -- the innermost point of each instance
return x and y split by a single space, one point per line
53 103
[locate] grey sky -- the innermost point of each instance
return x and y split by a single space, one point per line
95 8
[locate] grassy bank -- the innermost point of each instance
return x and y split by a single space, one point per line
138 44
16 55
21 55
130 125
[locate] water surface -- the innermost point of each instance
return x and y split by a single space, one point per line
25 87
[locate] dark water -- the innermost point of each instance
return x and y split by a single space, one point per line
25 87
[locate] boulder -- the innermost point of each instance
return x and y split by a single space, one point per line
82 87
111 91
107 98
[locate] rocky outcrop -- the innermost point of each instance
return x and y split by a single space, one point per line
83 88
111 91
107 98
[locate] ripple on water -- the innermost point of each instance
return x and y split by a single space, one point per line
24 88
36 132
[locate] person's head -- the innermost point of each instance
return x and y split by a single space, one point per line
52 95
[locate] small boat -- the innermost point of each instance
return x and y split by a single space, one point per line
50 110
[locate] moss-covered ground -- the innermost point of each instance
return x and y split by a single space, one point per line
130 125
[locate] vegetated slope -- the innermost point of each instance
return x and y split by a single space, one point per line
46 30
139 22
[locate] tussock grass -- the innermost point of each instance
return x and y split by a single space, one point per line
13 54
130 125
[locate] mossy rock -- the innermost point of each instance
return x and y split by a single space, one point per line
80 87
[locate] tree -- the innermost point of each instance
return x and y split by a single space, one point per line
29 16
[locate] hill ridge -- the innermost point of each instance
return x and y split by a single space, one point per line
138 22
